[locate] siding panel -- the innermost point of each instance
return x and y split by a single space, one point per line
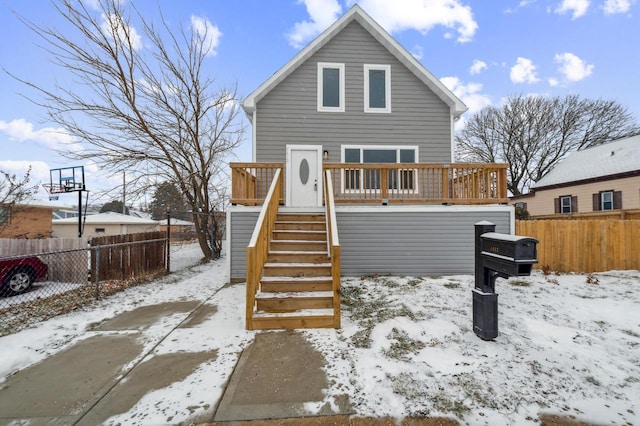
288 114
242 225
380 241
411 243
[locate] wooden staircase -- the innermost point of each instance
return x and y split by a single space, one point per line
296 289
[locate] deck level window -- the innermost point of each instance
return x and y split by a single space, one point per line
371 179
330 87
377 88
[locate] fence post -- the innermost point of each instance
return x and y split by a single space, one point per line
168 243
96 271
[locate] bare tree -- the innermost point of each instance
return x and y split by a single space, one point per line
14 191
140 102
533 133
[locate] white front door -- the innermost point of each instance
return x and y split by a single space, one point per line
304 176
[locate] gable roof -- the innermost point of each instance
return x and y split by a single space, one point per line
612 158
377 32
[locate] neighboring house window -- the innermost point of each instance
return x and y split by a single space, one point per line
377 88
566 204
358 179
607 200
98 230
330 87
4 215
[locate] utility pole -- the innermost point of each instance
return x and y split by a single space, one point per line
124 194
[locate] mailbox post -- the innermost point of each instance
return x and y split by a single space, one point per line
496 255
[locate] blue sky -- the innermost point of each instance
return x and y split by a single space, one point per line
482 50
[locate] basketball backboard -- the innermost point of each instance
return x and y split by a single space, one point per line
66 179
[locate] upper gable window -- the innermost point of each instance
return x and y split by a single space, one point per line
377 88
330 87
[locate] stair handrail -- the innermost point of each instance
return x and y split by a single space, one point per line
333 242
258 248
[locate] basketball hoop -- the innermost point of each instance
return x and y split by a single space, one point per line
53 188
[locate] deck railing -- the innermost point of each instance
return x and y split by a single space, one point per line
334 245
409 183
250 182
258 248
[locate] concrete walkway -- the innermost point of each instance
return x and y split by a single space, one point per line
275 376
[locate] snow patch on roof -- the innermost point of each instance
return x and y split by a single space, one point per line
108 218
620 156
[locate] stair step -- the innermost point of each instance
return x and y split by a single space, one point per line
288 302
298 245
298 284
287 234
297 269
305 217
303 256
300 225
304 318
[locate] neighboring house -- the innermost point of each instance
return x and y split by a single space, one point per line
605 177
356 109
99 225
180 229
31 219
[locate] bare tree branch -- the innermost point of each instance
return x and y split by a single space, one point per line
140 109
14 192
534 133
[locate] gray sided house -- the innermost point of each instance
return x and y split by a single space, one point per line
355 127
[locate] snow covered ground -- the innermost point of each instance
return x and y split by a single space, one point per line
566 346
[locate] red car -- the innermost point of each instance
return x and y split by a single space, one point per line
17 274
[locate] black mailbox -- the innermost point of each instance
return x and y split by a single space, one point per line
497 255
508 255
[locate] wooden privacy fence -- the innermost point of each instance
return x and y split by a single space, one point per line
585 245
62 255
119 257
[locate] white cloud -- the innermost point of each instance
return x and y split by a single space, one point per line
423 16
53 138
116 28
523 72
418 52
572 67
577 7
469 94
322 14
477 66
611 7
521 5
204 28
39 170
553 82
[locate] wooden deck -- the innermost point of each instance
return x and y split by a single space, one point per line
402 183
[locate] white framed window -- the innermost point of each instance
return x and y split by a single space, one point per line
398 180
606 200
330 87
377 88
565 204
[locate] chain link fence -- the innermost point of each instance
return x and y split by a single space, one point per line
34 287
